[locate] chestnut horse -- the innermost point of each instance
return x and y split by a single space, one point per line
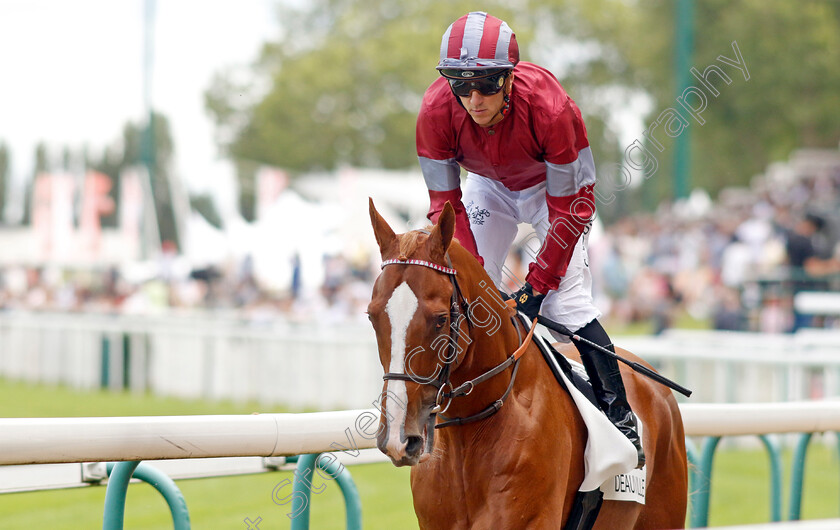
441 329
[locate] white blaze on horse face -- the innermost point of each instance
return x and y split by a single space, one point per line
400 309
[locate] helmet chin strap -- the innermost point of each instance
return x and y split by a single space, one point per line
505 108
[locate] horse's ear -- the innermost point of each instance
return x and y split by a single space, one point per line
385 236
441 235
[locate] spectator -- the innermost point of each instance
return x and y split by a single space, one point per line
803 252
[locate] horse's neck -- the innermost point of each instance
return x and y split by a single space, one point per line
492 337
537 416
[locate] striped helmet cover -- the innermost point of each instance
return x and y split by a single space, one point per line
476 41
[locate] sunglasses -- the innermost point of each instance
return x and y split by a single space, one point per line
486 86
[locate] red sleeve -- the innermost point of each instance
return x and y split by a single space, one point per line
463 232
570 179
436 154
568 217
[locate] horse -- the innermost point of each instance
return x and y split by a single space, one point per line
494 443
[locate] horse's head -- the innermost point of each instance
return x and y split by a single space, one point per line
411 310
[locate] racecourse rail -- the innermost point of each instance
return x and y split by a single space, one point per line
329 366
129 440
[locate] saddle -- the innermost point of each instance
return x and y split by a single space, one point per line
575 374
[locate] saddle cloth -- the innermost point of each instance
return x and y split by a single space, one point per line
609 457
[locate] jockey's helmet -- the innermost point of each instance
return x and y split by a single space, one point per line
477 45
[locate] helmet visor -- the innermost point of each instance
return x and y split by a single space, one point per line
469 74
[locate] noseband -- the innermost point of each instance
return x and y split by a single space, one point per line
459 308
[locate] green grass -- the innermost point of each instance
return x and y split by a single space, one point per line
218 503
740 486
23 400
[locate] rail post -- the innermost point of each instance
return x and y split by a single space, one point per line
115 494
703 483
302 489
797 476
775 455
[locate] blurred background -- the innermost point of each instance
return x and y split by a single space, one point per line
181 175
190 157
185 184
184 190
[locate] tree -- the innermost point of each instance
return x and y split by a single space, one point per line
206 207
344 83
792 53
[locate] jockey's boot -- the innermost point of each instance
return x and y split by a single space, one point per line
585 510
607 383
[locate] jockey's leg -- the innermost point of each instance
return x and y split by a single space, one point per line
493 221
585 510
607 383
571 304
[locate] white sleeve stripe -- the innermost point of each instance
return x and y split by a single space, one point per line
563 180
440 175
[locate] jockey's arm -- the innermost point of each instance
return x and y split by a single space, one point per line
570 179
568 217
444 184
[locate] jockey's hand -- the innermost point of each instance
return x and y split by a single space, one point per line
528 302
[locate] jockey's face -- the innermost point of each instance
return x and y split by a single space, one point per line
485 110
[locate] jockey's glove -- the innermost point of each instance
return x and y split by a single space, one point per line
527 302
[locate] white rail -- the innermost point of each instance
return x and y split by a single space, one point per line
329 366
760 418
62 440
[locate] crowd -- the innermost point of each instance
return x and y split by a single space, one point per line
733 263
736 263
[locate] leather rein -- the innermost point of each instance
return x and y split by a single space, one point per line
459 309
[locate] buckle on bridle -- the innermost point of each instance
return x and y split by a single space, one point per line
462 393
441 395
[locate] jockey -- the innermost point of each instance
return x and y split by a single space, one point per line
523 143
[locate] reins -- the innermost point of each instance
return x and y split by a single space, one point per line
442 380
466 388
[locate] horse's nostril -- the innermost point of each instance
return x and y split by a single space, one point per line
414 445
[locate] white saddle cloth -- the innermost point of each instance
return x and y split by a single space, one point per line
609 455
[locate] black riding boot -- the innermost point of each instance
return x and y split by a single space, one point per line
606 382
585 510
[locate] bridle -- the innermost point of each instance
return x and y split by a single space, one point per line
459 308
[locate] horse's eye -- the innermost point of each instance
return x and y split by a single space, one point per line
441 321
